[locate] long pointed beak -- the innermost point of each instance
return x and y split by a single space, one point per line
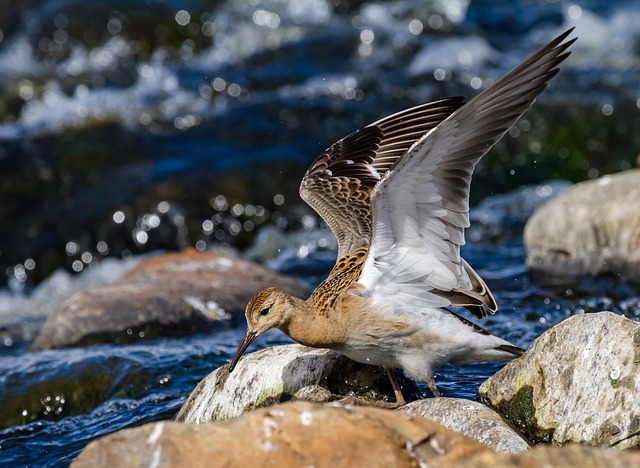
249 337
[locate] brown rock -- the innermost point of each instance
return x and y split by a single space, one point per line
169 295
578 382
283 373
591 229
290 434
469 418
555 457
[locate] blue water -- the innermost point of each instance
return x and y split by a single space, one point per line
149 381
159 129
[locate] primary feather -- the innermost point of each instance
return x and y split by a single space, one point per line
420 207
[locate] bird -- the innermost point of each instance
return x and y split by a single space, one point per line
396 195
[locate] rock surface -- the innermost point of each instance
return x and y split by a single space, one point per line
591 229
283 373
548 456
169 295
290 434
578 382
469 418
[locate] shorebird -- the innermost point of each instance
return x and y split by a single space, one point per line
396 195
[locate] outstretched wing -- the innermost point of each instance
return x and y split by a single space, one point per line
420 209
338 184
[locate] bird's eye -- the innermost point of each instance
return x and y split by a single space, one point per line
264 311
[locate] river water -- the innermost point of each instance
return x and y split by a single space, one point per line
150 127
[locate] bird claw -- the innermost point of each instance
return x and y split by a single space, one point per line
355 401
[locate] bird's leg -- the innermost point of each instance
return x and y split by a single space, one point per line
400 401
431 385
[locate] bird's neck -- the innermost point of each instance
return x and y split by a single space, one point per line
312 327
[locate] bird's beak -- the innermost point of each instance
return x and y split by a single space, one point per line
249 338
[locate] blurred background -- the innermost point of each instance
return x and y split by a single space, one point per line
136 126
133 125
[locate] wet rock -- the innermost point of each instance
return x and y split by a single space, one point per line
578 382
282 373
549 456
471 419
290 434
591 229
168 295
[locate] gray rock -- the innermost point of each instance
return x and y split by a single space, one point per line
469 418
578 382
591 229
284 373
174 294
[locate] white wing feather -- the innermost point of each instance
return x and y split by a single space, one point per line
413 255
420 207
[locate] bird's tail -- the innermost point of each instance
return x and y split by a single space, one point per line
485 346
517 352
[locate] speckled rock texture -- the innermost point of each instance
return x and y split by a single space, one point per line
549 456
292 434
469 418
591 229
578 382
283 373
174 294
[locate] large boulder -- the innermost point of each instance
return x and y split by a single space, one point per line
469 418
578 382
549 456
284 373
289 434
592 229
169 295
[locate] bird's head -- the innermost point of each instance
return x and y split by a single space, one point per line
269 308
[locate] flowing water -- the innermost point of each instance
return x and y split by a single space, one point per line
145 127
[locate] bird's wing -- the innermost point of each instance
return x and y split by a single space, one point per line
338 184
420 208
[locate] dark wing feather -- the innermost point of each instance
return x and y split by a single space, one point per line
338 184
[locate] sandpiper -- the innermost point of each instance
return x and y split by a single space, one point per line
396 195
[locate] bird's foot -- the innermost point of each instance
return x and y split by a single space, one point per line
355 401
400 401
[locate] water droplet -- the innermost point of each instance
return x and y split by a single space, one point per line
183 17
367 36
439 74
141 237
574 12
415 26
102 248
77 266
476 82
71 248
207 226
118 217
607 109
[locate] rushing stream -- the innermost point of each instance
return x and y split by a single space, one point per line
143 127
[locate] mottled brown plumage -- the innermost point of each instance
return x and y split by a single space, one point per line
338 184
